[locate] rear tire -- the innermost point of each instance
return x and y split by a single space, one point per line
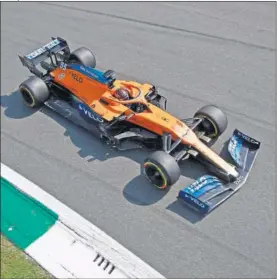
34 92
214 121
161 169
84 56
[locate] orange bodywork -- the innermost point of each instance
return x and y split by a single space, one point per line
154 119
90 91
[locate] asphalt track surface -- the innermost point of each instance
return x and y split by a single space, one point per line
196 53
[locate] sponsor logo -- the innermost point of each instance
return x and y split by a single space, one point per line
61 76
41 50
88 71
233 146
89 113
63 65
196 201
239 180
248 138
77 77
165 119
201 182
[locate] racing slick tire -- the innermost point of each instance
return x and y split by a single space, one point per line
214 122
34 92
161 169
84 56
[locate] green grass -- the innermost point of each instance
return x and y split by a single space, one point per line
16 264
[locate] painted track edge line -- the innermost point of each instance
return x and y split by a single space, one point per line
120 256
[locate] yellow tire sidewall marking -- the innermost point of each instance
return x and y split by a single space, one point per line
215 128
160 172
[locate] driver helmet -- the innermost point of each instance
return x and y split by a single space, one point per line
122 94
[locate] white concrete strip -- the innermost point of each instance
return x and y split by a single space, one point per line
45 251
89 234
62 252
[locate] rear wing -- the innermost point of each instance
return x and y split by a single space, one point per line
58 47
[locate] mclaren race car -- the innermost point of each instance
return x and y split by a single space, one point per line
128 114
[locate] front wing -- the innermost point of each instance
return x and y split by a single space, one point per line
208 191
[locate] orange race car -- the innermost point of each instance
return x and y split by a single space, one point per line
128 114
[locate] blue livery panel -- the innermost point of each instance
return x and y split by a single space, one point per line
89 72
197 194
203 185
242 149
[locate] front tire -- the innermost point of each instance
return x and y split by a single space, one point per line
161 169
34 92
214 121
83 56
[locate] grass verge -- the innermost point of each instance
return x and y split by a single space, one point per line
16 264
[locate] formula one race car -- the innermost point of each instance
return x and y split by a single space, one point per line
128 114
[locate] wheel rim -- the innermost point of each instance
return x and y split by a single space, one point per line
28 98
209 125
155 175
